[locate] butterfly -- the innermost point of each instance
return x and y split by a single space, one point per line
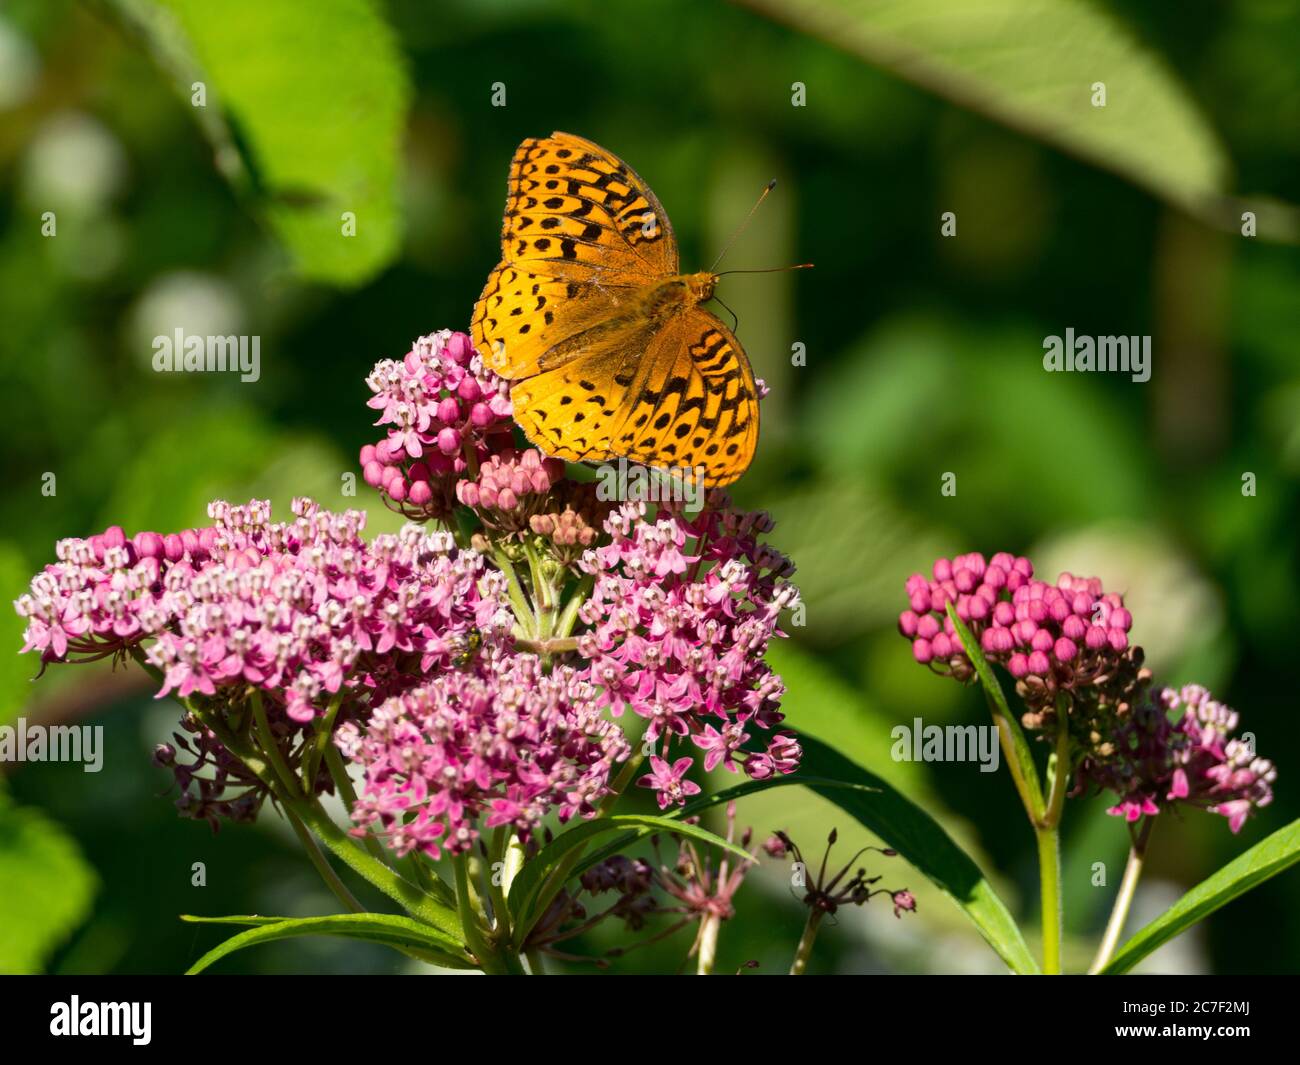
606 341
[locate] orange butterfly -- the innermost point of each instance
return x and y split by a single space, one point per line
587 311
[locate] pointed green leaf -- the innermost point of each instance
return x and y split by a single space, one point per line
400 933
1266 859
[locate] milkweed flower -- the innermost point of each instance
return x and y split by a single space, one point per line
301 610
1158 764
499 740
680 615
442 406
1071 636
305 613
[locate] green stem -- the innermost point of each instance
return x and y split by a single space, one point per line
1048 831
270 748
804 951
419 905
1119 912
569 618
1049 873
496 883
323 866
470 921
523 612
324 733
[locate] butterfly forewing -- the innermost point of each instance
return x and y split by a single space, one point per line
574 204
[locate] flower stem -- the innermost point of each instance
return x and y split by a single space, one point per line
323 866
518 600
487 958
804 951
710 926
1119 912
1048 831
1049 873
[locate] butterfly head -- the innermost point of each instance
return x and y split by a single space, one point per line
701 285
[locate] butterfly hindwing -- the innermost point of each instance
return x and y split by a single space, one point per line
681 396
696 405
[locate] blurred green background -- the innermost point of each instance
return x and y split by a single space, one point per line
923 357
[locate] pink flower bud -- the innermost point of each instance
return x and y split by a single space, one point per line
448 441
1065 650
922 651
927 627
907 622
1018 665
1039 665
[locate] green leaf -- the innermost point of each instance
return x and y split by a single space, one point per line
920 839
400 933
529 895
1023 768
1031 64
1267 858
46 888
305 110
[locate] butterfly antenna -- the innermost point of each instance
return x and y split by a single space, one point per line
769 270
735 321
727 247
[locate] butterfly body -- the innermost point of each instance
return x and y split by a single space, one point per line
588 312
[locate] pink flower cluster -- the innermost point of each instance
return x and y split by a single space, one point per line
1031 626
1157 763
501 738
441 405
302 611
680 617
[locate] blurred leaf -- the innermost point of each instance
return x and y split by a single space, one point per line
170 483
1266 859
819 701
400 933
46 887
853 548
16 671
1031 64
306 111
920 839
